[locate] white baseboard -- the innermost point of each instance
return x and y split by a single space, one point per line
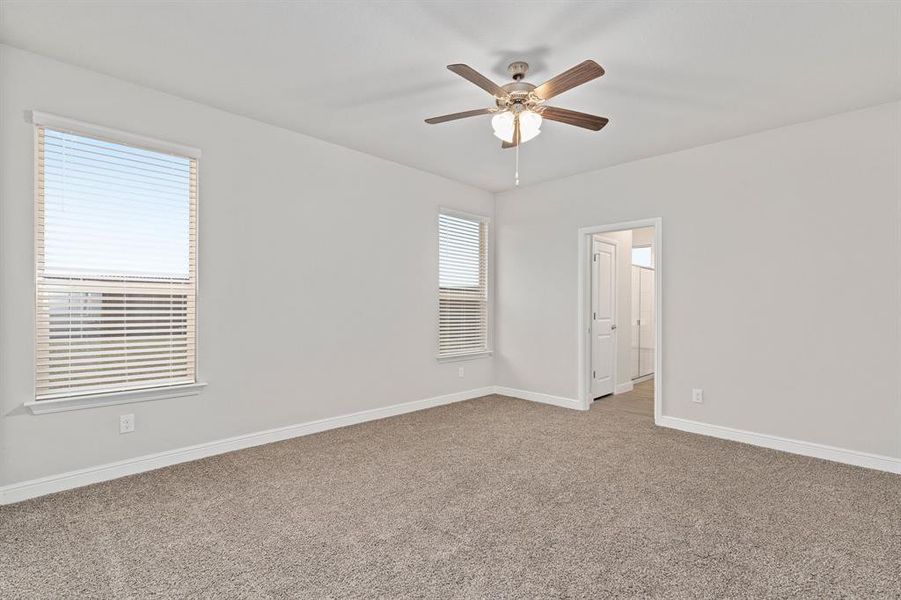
73 479
622 388
17 492
841 455
539 397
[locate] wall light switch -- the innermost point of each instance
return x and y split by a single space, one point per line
697 395
126 423
460 372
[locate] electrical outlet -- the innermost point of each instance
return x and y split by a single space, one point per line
460 372
697 395
126 423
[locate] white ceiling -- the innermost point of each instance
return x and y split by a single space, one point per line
366 74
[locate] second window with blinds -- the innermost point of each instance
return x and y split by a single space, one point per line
116 266
462 285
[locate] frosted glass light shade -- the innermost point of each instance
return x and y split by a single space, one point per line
502 123
529 125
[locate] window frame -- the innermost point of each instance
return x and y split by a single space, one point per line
103 398
489 302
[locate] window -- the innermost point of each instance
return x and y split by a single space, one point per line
462 285
643 256
116 266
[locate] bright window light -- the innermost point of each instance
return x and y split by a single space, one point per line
643 257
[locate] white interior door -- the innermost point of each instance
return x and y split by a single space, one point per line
603 321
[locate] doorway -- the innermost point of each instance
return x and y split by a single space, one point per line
620 308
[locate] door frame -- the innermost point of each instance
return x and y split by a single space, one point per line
614 283
584 307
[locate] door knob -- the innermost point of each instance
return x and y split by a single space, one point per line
612 327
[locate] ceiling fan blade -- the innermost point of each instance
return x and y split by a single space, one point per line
571 117
470 74
459 115
581 73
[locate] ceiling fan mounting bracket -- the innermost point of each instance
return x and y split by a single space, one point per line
518 69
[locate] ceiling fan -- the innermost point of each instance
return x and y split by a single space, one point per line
520 106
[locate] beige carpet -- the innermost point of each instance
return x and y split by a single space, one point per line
491 498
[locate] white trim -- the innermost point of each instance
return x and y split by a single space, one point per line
622 388
486 220
570 403
821 451
583 369
113 135
643 378
17 492
841 455
461 357
39 120
40 407
460 214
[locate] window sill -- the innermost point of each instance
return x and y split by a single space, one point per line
40 407
459 357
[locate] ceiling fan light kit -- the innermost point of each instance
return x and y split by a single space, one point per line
520 107
504 125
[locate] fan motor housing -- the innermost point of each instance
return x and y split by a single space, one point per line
519 87
520 91
520 95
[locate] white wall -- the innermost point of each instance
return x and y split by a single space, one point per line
775 252
318 275
781 261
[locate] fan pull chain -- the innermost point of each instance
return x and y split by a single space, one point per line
516 174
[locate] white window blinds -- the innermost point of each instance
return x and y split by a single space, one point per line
462 285
116 238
